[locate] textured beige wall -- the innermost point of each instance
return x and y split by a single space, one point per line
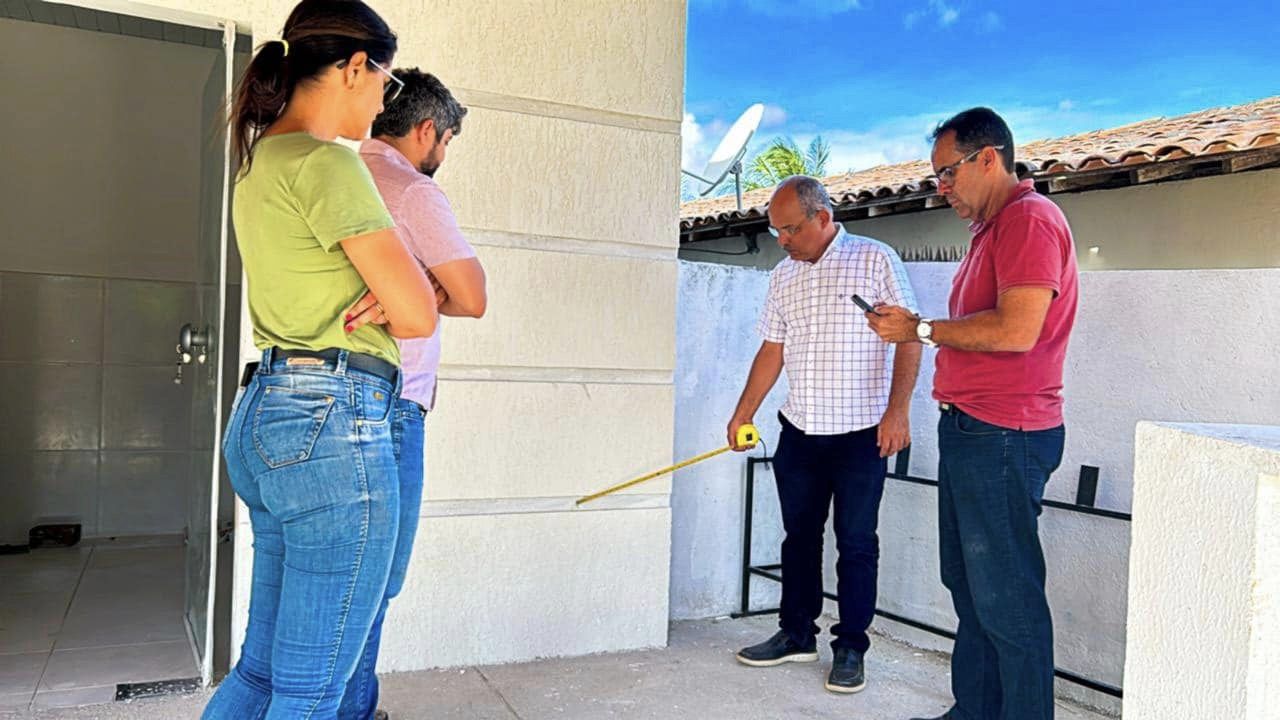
565 179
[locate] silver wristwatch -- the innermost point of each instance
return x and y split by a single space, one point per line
924 332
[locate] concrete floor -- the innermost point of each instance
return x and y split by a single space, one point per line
695 677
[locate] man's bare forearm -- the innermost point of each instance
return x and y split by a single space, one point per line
765 370
906 367
980 332
1013 326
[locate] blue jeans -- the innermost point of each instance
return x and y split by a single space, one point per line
310 450
990 486
361 698
811 472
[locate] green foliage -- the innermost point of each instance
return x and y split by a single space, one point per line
784 158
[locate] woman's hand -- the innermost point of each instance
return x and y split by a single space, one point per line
365 310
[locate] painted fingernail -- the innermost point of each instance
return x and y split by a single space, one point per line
346 319
348 328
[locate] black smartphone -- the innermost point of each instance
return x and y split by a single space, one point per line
866 307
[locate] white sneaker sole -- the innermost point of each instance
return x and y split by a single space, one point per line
795 657
845 690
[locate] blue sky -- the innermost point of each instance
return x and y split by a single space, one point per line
873 76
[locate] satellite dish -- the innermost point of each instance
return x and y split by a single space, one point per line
727 159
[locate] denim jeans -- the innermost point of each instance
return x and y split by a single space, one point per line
361 698
310 451
811 471
990 486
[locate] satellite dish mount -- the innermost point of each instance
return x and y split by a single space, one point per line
727 159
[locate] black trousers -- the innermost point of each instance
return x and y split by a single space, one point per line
811 472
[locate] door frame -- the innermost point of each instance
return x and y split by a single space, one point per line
230 29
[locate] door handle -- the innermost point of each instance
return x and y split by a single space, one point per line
191 342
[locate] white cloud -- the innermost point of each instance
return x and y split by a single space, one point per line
891 141
698 139
773 116
945 14
691 139
990 22
1066 106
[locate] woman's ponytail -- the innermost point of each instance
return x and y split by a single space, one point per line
260 97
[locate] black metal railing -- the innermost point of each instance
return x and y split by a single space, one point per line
1086 494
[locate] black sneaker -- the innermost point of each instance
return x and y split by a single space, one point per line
777 650
847 674
381 714
943 716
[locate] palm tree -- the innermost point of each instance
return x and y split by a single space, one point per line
782 159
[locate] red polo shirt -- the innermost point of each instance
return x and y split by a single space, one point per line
1026 244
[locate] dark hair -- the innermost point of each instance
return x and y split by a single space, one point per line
977 128
317 34
423 98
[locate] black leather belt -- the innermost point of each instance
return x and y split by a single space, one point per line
356 361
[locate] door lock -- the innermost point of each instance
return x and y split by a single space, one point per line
192 343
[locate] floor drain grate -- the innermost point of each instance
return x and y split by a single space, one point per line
134 691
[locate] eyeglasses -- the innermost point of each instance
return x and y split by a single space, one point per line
787 229
946 175
391 90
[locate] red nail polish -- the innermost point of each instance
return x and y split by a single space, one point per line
348 328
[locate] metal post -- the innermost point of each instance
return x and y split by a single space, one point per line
749 493
737 181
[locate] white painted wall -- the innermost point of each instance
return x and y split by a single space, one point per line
715 326
1205 570
1167 345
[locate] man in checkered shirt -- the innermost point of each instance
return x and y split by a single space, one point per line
845 413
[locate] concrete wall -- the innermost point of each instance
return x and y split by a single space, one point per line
1228 221
1205 568
1142 349
565 386
715 329
100 265
564 180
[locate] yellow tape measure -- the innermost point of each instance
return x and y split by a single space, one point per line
747 436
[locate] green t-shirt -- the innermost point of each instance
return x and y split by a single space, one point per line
301 197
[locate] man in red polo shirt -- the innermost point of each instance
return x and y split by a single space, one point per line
999 385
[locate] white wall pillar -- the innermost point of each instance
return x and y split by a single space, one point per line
1204 574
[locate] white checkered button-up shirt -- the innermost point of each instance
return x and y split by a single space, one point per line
838 374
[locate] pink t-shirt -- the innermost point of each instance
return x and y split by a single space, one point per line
1027 244
426 223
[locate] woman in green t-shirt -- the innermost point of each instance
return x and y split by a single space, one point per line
309 447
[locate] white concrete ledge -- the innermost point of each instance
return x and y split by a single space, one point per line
486 237
1204 574
519 506
575 375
